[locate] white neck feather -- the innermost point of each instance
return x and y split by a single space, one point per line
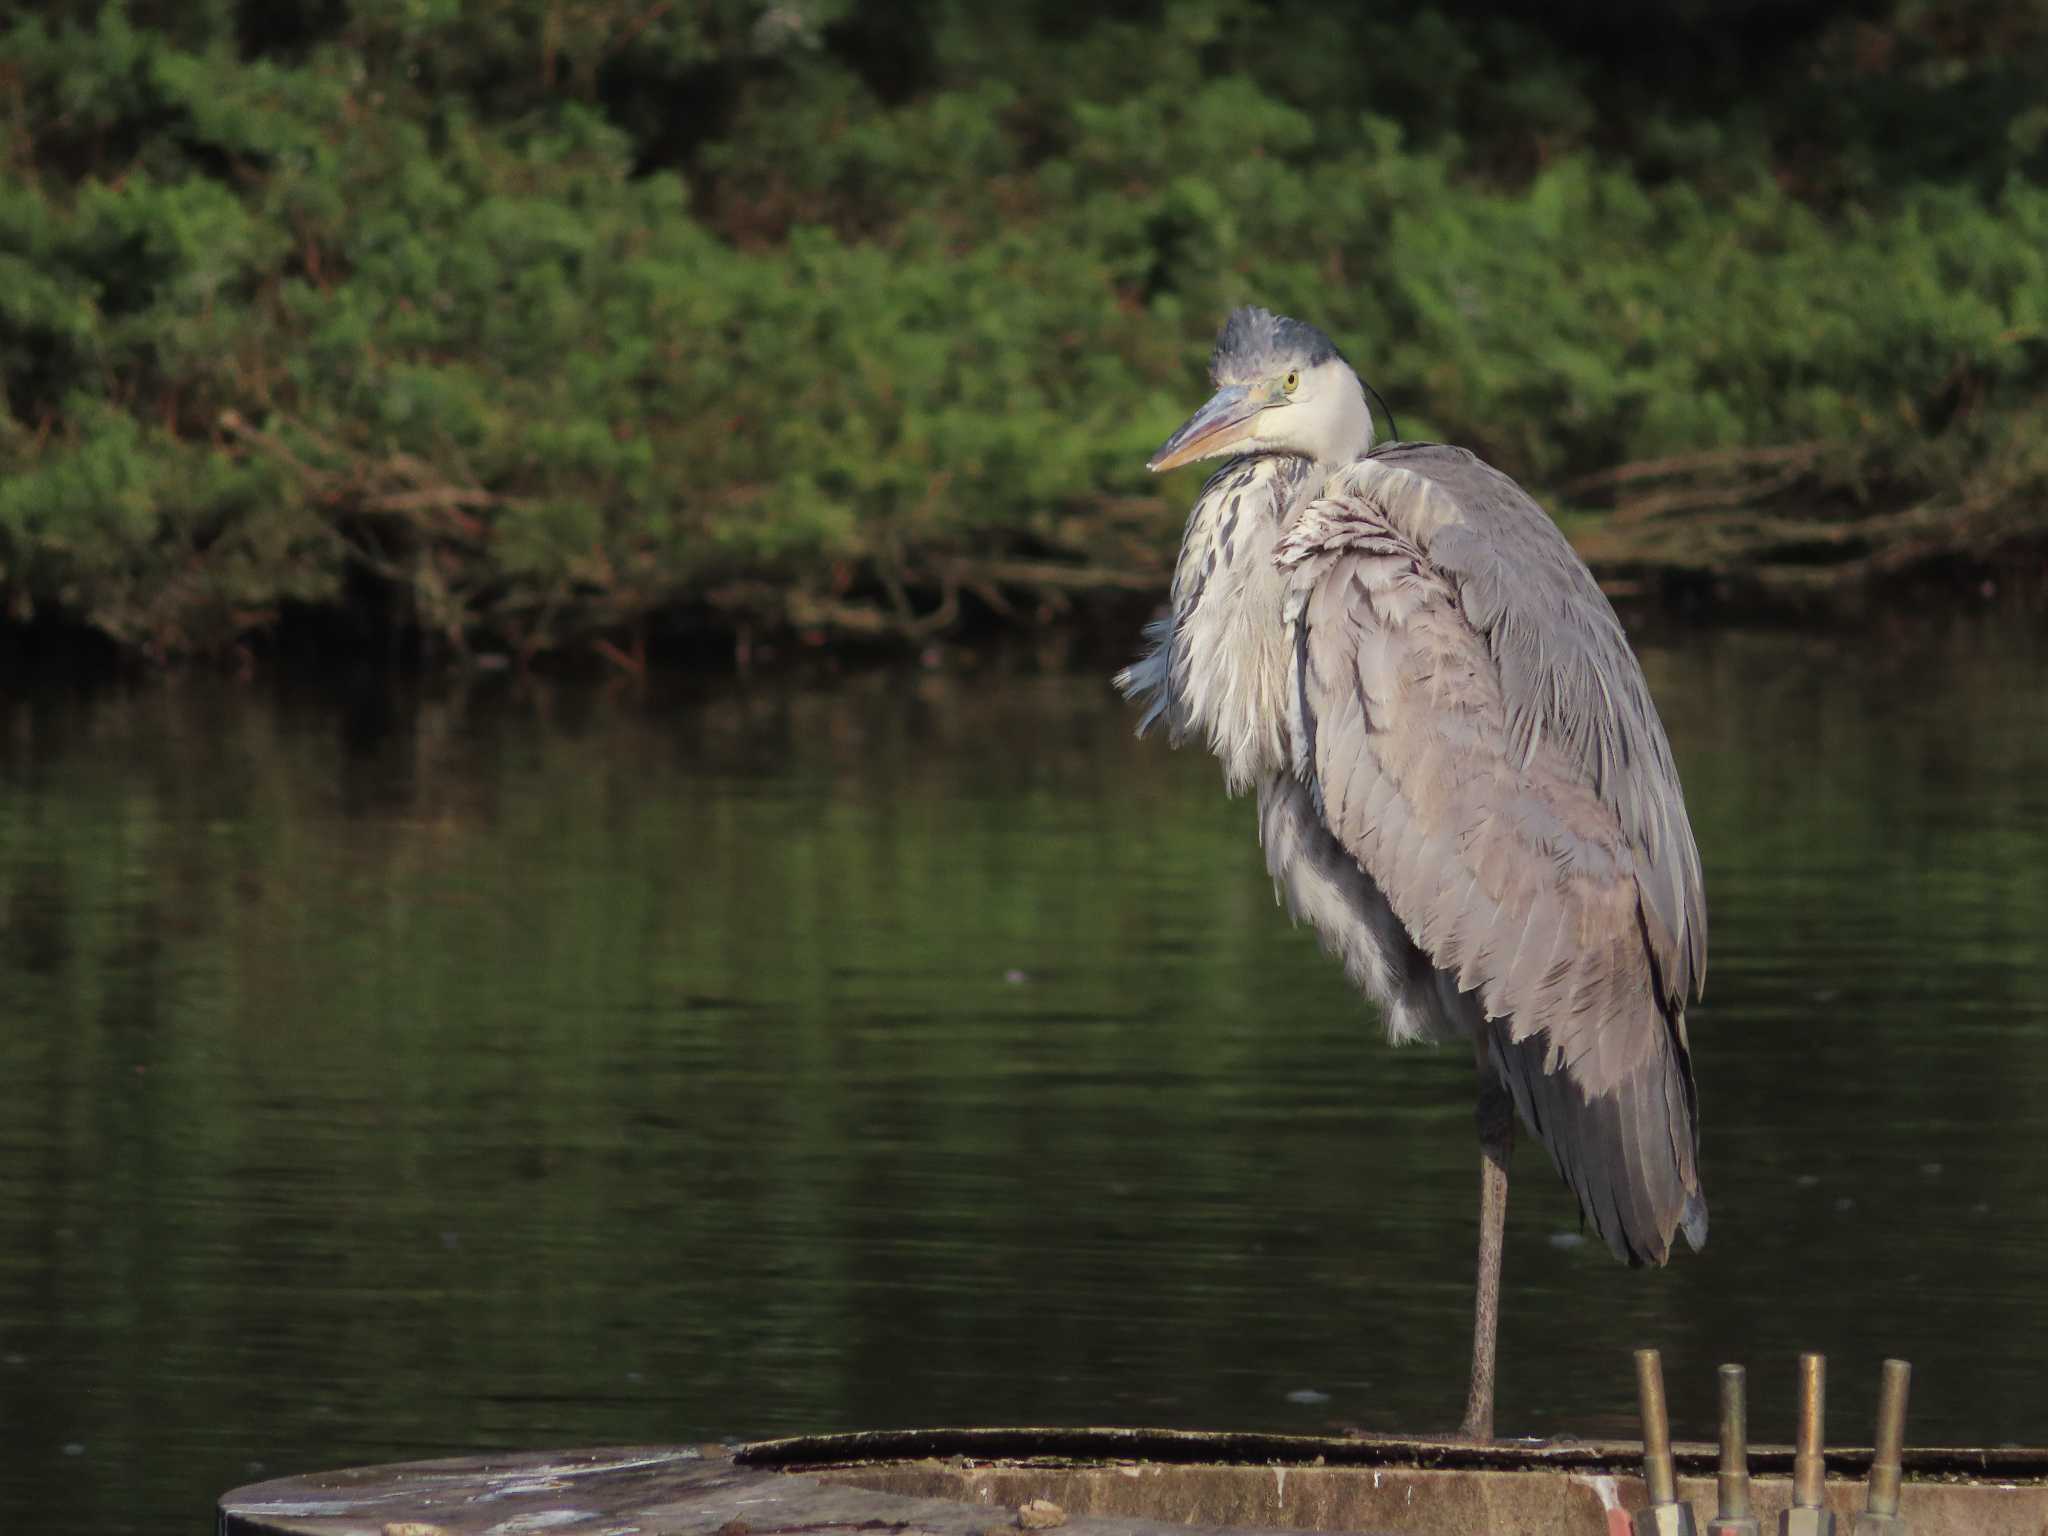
1343 421
1326 420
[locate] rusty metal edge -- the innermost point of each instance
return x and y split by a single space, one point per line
2024 1464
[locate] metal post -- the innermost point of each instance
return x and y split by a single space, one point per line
1807 1516
1880 1515
1666 1514
1732 1513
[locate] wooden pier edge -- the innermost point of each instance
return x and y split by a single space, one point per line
1087 1482
674 1491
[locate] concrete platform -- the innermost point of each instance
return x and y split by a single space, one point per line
1103 1482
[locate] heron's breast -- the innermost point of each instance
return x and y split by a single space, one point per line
1231 658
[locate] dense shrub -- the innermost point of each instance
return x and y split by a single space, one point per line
547 317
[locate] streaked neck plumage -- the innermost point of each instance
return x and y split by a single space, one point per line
1224 658
1220 665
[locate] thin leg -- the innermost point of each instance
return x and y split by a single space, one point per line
1496 1141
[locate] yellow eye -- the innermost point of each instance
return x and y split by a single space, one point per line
1292 382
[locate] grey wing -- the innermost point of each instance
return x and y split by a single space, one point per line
1566 670
1511 863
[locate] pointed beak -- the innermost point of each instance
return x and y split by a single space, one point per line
1226 419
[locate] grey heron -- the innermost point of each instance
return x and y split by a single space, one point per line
1462 784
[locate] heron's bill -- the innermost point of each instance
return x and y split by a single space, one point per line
1225 420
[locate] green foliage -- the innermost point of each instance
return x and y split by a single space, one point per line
551 317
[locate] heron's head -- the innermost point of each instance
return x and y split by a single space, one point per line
1281 387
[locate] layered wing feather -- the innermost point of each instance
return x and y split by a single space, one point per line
1480 739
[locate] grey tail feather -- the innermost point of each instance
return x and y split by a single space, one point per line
1693 1220
1579 1132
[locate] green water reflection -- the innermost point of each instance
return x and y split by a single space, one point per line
505 1067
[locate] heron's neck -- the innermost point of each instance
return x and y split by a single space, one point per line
1345 430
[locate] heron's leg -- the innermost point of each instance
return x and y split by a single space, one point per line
1496 1140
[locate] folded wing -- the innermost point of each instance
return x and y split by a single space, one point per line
1480 739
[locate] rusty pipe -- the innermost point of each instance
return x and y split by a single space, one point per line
1809 1515
1660 1480
1880 1515
1666 1515
1885 1468
1809 1471
1733 1515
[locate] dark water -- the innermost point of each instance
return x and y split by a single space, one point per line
516 1067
